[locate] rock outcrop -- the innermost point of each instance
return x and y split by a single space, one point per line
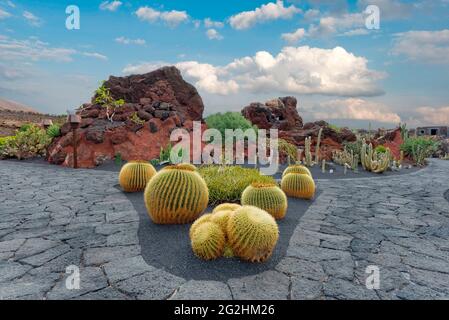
156 103
282 114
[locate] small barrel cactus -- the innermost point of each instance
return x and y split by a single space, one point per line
298 185
253 234
208 241
176 195
297 169
227 207
187 166
204 218
268 197
135 175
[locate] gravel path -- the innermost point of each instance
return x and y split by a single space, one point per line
51 218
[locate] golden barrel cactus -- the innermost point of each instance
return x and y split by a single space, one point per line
204 218
176 195
208 241
253 234
298 185
297 169
227 207
268 197
135 175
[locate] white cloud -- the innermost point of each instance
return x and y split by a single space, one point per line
213 34
95 55
423 46
355 32
390 9
294 37
311 14
209 23
110 5
301 70
127 41
4 14
433 116
331 25
32 19
172 18
355 109
267 12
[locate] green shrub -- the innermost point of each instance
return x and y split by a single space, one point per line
54 131
381 149
419 148
227 183
104 98
25 127
289 149
26 144
228 120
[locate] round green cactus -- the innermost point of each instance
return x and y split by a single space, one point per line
176 195
227 207
298 185
221 218
135 175
253 234
300 169
204 218
208 241
268 197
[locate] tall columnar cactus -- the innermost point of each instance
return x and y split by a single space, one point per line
318 145
226 207
253 234
373 161
308 160
208 241
135 175
298 185
176 195
268 197
296 169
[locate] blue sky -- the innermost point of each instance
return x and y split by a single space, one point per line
237 52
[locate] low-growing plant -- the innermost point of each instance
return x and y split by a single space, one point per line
54 131
26 144
227 183
228 120
419 148
381 149
104 98
289 149
25 127
135 119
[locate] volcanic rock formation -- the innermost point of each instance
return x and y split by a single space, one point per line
156 103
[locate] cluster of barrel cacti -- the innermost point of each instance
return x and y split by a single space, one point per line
247 232
377 162
297 181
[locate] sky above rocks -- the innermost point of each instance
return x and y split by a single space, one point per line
236 52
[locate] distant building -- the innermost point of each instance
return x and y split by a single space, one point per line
433 131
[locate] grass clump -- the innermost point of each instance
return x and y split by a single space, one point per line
228 120
227 183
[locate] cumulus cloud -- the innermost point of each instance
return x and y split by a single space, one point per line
433 116
331 25
355 109
110 5
267 12
294 37
295 70
127 41
4 14
213 34
209 23
32 19
172 18
423 46
95 55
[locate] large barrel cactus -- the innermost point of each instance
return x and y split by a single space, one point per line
297 169
268 197
298 185
176 195
253 234
208 241
135 175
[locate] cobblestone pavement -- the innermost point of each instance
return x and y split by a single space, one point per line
52 217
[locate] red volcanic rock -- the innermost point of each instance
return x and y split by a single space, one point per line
161 99
275 114
391 139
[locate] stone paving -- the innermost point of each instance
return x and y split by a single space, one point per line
52 217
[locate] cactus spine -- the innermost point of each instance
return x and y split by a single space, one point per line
298 185
297 169
176 195
268 197
135 175
253 234
208 241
